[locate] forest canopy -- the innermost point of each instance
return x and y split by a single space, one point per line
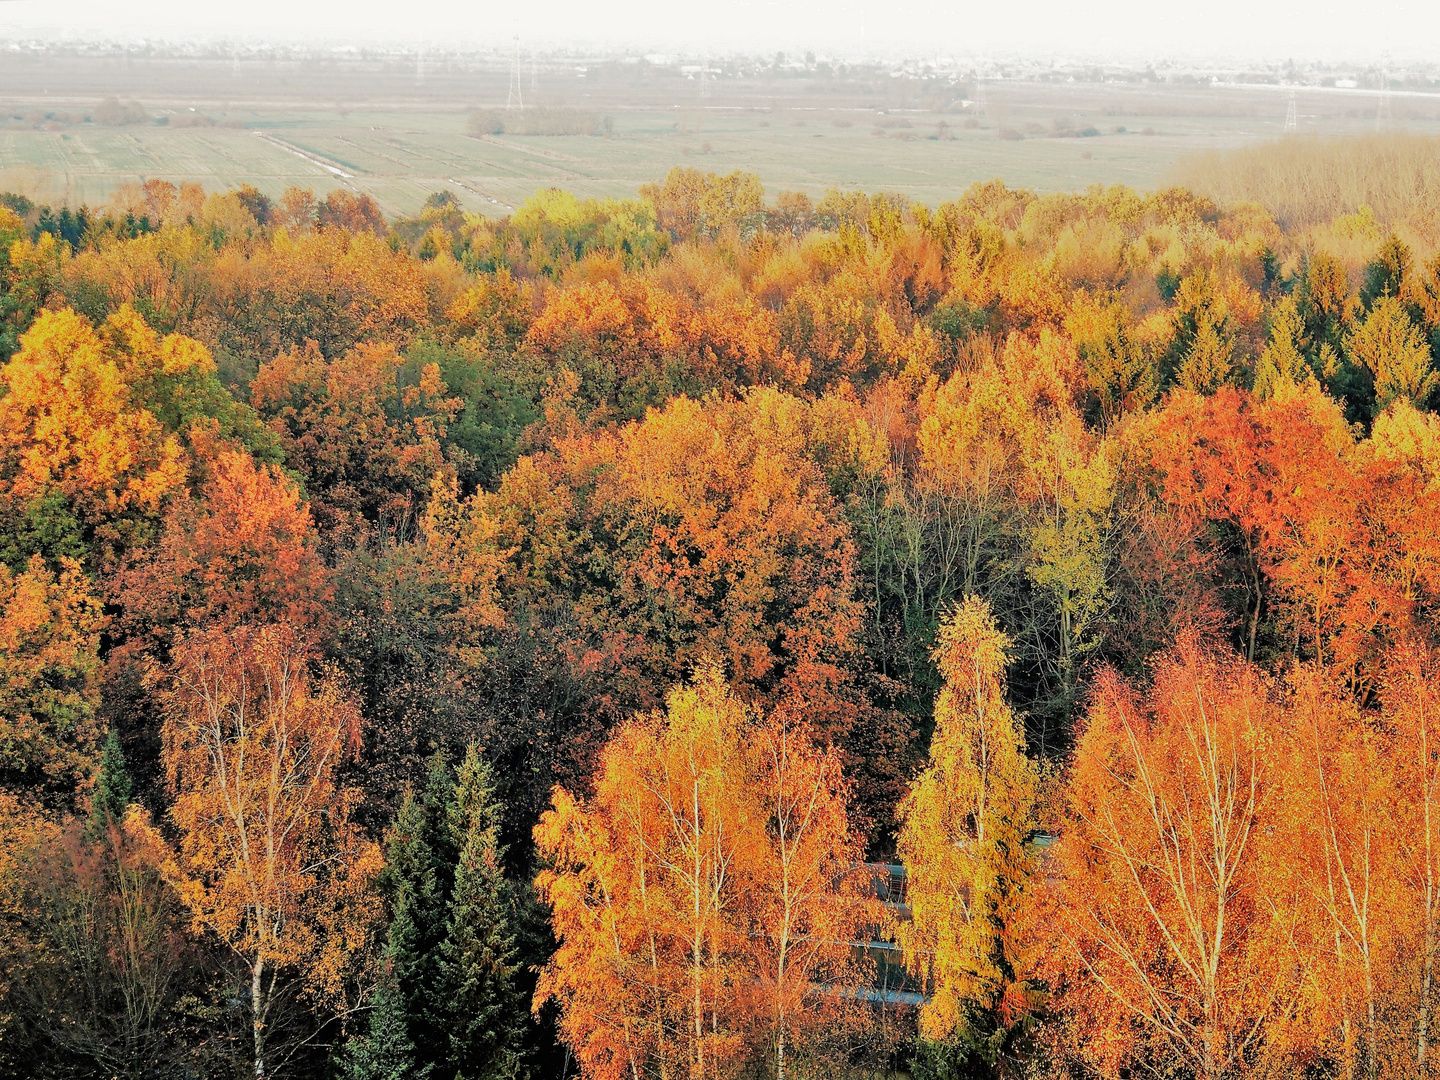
719 634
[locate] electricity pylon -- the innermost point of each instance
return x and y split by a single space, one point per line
513 99
1290 115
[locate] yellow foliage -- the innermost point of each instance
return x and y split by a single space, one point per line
1406 436
965 823
49 673
68 426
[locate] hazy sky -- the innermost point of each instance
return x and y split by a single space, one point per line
1403 29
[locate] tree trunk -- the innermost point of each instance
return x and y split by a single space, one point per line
257 971
1422 1040
1254 616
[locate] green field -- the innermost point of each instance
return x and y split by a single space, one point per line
400 139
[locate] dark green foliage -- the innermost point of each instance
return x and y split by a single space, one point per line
386 1052
420 865
66 224
955 321
451 943
1167 281
111 797
47 527
981 1048
479 959
1387 272
12 200
500 391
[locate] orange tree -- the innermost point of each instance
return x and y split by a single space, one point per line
701 894
704 530
242 551
365 439
1160 909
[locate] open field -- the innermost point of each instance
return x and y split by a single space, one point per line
397 130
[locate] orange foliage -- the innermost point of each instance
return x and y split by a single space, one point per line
332 287
244 552
252 748
1335 542
700 893
1160 896
366 442
706 532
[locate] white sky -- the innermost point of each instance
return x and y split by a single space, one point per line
1130 29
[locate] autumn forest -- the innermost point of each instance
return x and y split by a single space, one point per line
719 634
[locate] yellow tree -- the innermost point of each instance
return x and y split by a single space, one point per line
71 433
965 823
252 747
1392 348
1283 366
1072 481
50 628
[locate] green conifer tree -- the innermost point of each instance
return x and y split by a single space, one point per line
1392 348
479 955
420 860
1283 366
386 1051
111 798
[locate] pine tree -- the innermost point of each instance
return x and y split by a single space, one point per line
386 1052
478 959
1392 348
111 797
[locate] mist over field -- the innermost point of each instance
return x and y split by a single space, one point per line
753 542
492 127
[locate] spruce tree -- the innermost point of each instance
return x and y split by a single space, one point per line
420 865
479 957
386 1052
111 797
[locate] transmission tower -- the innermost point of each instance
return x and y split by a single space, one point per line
1291 119
534 74
704 76
979 96
1382 111
513 99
